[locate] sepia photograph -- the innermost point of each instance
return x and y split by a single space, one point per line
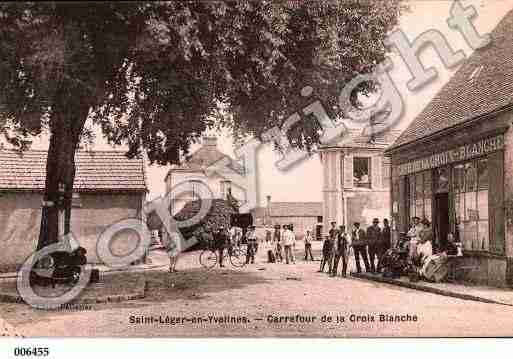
255 169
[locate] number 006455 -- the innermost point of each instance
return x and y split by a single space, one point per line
34 351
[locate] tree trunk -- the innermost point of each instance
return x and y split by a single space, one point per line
66 126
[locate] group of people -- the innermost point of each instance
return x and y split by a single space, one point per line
370 245
416 255
281 244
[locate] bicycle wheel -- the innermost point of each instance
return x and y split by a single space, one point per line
208 259
237 258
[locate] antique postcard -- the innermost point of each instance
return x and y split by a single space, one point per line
262 169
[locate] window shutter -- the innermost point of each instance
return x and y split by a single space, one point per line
348 171
376 179
496 202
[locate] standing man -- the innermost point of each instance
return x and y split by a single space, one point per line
169 241
221 238
333 232
327 254
268 235
341 250
277 242
359 243
252 243
374 241
386 241
308 245
289 242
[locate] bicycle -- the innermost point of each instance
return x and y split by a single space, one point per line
209 257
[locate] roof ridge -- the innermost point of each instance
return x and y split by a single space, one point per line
456 85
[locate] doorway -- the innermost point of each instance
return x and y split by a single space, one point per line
442 226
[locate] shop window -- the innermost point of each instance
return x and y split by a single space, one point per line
419 195
470 186
442 180
361 172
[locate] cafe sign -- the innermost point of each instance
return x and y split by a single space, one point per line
457 154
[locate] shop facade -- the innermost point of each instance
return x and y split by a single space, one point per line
461 180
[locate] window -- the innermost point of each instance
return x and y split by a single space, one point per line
470 184
195 189
226 187
361 172
76 201
419 195
386 173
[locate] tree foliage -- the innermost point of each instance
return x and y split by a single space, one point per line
219 215
155 75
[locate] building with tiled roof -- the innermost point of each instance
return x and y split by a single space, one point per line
193 172
108 188
453 164
302 215
356 177
95 171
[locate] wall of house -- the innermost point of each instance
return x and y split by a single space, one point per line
361 204
364 206
213 183
20 218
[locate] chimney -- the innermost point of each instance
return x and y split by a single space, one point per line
210 141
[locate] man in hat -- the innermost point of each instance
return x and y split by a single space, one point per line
252 243
373 241
222 241
277 243
341 250
327 253
289 243
359 243
385 242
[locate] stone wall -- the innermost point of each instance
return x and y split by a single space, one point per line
364 206
20 218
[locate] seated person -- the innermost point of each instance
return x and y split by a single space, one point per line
450 248
424 245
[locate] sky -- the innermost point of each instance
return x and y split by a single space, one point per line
304 181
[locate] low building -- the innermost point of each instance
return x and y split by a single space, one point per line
193 170
302 215
453 164
108 188
356 178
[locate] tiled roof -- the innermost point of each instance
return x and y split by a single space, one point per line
96 171
292 209
355 139
482 85
204 157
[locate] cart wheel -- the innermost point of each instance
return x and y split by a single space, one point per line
238 258
208 259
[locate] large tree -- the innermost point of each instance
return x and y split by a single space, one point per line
154 75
